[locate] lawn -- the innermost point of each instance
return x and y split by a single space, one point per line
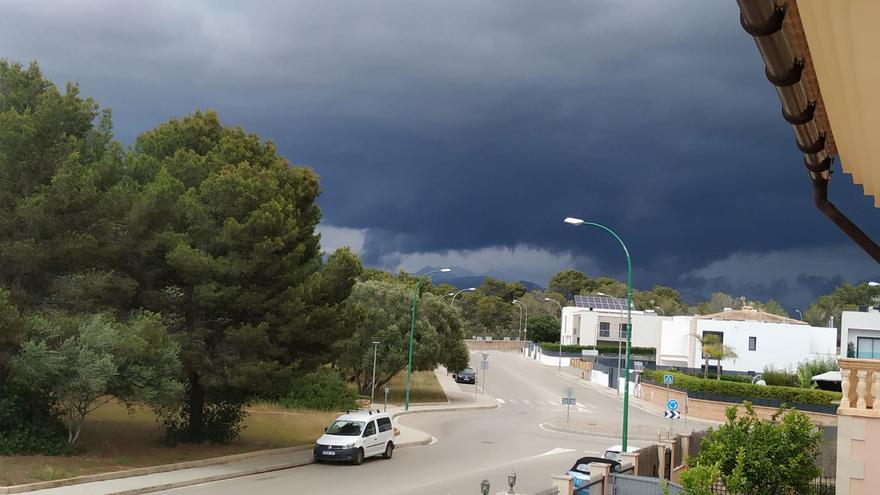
114 439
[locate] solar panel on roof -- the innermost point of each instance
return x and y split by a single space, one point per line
600 302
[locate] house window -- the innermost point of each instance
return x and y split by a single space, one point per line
604 329
720 340
753 343
622 330
868 348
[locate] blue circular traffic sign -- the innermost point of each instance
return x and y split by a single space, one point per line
672 404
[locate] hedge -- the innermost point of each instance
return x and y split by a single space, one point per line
603 349
728 378
785 395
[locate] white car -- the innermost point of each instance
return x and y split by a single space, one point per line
613 453
355 436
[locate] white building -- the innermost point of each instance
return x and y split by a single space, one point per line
759 339
860 334
602 320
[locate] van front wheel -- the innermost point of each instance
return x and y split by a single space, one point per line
359 457
389 451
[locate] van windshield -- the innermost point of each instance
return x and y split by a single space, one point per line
346 428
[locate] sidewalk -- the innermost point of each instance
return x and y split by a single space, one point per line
158 478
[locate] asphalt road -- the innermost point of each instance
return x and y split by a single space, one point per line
473 445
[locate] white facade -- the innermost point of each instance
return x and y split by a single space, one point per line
758 344
584 326
861 330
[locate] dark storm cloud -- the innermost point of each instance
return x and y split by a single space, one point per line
462 126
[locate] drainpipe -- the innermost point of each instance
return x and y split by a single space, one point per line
763 19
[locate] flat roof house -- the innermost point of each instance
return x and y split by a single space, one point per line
759 339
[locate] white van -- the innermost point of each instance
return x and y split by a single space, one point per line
356 435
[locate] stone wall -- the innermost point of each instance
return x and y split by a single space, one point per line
493 345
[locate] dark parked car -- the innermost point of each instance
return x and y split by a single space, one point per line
581 472
467 375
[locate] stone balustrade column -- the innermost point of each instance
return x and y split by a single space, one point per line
875 390
861 389
844 387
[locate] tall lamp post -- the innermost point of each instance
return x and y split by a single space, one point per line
519 305
800 314
470 289
560 329
412 332
526 326
373 388
578 222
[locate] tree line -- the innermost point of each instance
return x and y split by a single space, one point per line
488 311
182 272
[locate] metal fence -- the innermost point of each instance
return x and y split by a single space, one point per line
624 484
820 486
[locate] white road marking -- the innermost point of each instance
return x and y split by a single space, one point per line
527 402
500 401
512 401
555 451
552 402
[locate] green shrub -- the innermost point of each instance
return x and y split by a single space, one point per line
785 395
324 390
223 422
29 426
603 349
808 369
28 441
780 378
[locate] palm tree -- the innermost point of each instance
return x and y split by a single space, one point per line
708 341
714 349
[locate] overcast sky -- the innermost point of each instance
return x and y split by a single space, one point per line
462 132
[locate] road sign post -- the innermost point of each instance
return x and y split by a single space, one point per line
387 391
667 380
568 400
484 365
671 412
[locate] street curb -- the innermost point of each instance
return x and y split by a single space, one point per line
445 409
162 468
572 431
218 477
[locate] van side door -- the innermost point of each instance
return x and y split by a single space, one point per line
386 431
372 444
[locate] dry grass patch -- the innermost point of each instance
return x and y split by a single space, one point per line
115 439
425 388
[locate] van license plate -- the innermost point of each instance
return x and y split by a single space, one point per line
328 452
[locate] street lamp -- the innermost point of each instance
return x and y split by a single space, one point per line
511 480
661 310
373 389
470 289
412 332
579 222
518 305
799 314
526 327
560 329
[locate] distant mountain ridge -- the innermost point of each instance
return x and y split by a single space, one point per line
464 278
